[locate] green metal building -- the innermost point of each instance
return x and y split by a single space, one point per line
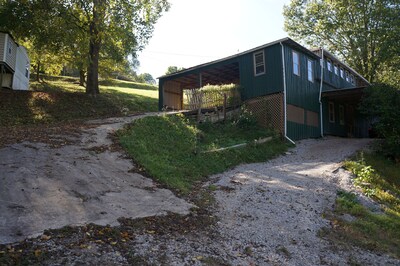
302 93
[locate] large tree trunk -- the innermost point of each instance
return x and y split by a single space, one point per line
82 76
92 84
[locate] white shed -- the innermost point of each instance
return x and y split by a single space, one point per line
14 64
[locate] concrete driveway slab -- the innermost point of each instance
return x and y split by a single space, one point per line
45 188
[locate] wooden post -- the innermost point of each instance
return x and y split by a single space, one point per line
200 102
224 108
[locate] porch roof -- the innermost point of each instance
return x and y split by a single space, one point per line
346 93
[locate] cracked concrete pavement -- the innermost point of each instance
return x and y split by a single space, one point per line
46 188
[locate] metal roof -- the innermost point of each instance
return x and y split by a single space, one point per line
286 40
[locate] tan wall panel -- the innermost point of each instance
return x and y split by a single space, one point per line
295 114
172 94
312 119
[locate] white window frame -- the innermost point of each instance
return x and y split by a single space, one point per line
10 45
296 65
331 112
310 70
329 65
336 69
259 64
27 66
347 76
352 79
342 72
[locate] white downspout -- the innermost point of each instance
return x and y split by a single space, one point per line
320 91
284 94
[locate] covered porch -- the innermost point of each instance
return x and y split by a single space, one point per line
171 87
340 113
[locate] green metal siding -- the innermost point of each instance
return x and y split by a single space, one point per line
296 131
302 93
332 128
268 83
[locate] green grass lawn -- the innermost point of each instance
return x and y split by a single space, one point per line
171 148
379 178
59 99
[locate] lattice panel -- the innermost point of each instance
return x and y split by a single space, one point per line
268 110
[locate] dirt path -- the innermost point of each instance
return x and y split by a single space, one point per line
43 187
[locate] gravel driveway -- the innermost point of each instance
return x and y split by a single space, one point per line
270 213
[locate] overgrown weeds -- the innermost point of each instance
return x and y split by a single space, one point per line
378 177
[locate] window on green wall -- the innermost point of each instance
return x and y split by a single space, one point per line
331 112
296 63
336 69
341 115
259 63
352 80
342 73
347 76
329 65
310 73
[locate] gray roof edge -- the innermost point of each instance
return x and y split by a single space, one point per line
286 39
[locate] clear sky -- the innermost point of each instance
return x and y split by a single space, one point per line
198 31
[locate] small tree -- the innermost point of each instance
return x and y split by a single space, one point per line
147 78
382 102
173 69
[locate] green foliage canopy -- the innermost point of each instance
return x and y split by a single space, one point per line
365 33
173 69
88 33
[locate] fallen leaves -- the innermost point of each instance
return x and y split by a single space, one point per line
45 237
37 253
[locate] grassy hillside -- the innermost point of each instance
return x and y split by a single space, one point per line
59 99
176 151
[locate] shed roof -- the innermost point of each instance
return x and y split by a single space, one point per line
286 41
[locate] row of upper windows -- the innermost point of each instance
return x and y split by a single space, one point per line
344 74
259 67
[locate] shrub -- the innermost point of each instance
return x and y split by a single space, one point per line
211 96
246 119
381 102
